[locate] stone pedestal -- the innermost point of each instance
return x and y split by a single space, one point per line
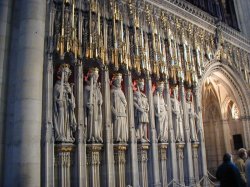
163 163
93 163
143 162
180 158
120 164
195 147
63 164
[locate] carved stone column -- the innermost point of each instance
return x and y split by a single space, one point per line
195 147
63 164
163 163
172 146
93 162
81 167
10 104
47 131
109 171
132 166
200 133
23 154
153 157
188 148
143 164
120 164
48 136
180 158
6 8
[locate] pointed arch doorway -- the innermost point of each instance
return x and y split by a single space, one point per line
223 111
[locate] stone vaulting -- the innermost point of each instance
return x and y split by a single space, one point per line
117 93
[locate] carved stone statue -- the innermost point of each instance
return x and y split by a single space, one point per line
161 114
118 108
93 107
177 116
63 107
192 117
141 112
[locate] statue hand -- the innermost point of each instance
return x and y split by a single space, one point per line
68 88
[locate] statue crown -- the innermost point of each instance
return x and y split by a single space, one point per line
93 70
140 81
160 83
117 76
65 68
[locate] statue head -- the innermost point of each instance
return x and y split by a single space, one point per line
160 87
94 73
175 92
117 79
140 84
189 95
65 72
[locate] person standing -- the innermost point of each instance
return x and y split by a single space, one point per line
227 173
240 163
247 167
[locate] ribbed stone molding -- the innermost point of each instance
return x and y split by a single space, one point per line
172 147
153 156
132 161
188 148
195 147
93 162
81 177
120 164
63 164
108 168
202 148
163 163
143 162
180 158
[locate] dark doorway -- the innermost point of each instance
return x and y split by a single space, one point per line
238 143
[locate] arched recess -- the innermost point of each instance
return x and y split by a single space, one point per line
225 112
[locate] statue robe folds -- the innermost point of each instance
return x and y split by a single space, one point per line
161 117
119 115
93 113
178 119
192 124
141 115
64 117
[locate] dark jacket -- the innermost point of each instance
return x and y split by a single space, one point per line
228 175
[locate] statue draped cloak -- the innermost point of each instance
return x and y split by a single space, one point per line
119 115
94 117
177 119
63 116
142 102
161 118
